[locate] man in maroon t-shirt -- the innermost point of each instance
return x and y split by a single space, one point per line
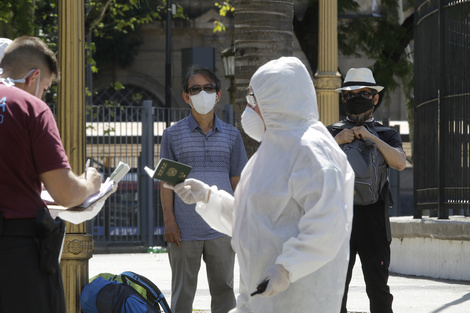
31 153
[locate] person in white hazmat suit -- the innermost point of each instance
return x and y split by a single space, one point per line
290 217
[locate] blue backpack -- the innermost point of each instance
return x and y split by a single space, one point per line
124 293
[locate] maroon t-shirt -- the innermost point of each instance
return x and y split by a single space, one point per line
30 145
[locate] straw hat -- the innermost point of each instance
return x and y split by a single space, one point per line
358 78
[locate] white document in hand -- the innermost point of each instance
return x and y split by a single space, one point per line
121 170
91 206
106 187
79 215
149 171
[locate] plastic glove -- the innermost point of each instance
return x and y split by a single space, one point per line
278 280
191 191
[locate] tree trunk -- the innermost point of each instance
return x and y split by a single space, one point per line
263 32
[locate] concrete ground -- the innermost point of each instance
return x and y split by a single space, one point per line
411 294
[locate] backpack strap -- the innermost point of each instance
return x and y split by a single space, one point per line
387 211
154 294
342 125
345 124
380 128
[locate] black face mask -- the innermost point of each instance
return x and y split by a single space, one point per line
359 109
359 119
358 105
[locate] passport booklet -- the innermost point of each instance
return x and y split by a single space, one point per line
169 171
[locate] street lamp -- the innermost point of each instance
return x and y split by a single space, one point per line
300 6
228 58
170 11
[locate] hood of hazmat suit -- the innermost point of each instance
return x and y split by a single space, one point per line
293 204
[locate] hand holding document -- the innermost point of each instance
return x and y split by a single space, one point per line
106 187
93 204
121 170
169 171
77 215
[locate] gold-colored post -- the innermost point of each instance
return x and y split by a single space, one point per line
327 78
78 245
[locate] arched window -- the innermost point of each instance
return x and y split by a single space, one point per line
128 96
119 104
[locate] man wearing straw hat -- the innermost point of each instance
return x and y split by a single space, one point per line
370 236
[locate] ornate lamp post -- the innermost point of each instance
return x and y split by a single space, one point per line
327 78
228 58
78 245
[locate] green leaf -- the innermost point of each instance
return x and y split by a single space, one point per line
118 86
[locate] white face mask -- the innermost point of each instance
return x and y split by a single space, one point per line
204 102
11 82
253 124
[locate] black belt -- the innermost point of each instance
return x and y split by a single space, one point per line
25 227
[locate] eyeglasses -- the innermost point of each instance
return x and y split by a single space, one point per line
195 90
251 100
364 94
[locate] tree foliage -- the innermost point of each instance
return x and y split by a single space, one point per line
382 38
114 25
224 8
116 32
17 18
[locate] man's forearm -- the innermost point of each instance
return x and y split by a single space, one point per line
167 196
394 157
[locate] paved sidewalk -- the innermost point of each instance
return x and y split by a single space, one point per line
411 294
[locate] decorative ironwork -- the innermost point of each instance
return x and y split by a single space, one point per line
442 108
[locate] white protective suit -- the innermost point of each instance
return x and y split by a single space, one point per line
293 204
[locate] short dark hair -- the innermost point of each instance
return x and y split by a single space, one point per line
204 71
26 53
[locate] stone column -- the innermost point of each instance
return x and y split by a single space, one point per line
327 78
78 245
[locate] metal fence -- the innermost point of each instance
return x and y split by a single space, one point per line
132 216
442 108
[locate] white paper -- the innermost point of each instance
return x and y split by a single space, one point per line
121 170
149 171
104 189
46 196
79 215
93 204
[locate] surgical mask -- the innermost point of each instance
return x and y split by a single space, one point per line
358 105
253 124
11 82
203 102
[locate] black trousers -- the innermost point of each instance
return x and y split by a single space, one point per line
369 241
24 287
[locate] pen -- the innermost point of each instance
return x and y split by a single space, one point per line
261 287
87 165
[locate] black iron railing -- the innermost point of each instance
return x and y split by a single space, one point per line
132 134
442 108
